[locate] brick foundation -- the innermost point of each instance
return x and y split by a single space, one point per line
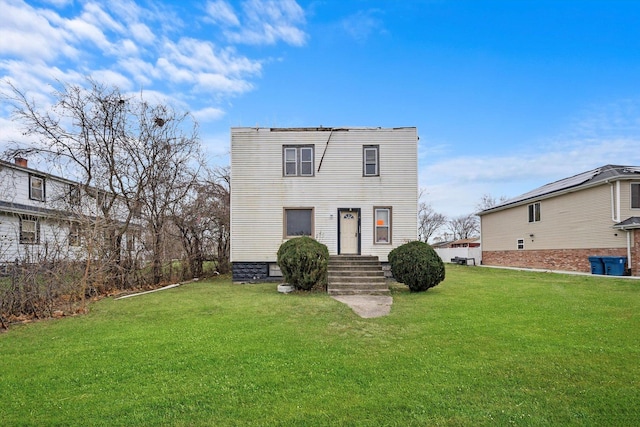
558 259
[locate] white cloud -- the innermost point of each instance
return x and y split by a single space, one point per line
208 114
605 135
220 12
112 78
142 33
363 24
270 21
27 33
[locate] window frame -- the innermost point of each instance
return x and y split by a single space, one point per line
75 238
633 196
376 163
33 179
520 244
36 232
298 161
285 234
74 195
533 210
376 226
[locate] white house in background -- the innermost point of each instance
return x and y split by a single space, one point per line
353 189
41 216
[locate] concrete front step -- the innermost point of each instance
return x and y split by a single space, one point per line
363 291
356 275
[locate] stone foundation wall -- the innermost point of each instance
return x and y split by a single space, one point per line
556 259
252 272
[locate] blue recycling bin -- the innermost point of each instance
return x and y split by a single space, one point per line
597 266
614 265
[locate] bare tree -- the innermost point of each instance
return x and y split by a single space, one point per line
164 163
429 221
464 226
202 220
487 201
132 160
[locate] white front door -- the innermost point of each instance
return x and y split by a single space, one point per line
349 233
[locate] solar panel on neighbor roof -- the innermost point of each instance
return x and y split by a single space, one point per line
556 186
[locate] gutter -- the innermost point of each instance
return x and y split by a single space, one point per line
554 194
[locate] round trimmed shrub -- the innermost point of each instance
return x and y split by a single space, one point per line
303 262
417 265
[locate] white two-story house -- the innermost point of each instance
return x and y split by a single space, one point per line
44 217
353 189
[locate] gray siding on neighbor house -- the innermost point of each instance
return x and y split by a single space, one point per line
260 192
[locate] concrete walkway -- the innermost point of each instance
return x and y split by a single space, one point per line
367 306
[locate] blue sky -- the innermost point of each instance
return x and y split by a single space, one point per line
506 95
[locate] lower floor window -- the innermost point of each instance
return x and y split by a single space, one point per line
382 225
29 230
520 243
298 222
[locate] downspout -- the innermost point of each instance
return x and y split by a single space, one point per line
613 204
617 201
629 249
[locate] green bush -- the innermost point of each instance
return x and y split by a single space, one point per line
303 262
416 265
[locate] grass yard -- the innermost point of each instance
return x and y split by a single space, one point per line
485 347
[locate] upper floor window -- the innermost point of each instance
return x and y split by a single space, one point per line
297 160
29 230
36 188
74 195
382 225
635 195
534 212
370 160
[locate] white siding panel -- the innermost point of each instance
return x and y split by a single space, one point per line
259 190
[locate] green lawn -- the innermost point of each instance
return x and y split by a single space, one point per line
485 347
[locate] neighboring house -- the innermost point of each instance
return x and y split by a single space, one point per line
42 216
461 248
473 242
353 189
560 225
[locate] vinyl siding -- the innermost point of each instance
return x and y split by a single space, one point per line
577 220
260 191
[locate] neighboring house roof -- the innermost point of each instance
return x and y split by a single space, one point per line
629 223
465 241
582 180
442 244
4 163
